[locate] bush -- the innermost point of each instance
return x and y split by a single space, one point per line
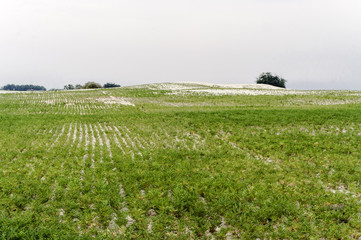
110 85
89 85
274 80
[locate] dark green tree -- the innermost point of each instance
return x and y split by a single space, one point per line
92 85
13 87
110 85
270 79
69 87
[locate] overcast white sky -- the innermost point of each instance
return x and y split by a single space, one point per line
314 44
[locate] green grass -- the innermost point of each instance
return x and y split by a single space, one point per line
179 166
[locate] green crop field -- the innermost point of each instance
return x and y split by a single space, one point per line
182 161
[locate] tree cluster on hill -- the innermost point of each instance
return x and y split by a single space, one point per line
110 85
270 79
90 85
13 87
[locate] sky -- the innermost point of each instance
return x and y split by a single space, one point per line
313 44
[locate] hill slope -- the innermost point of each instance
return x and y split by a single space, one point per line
150 162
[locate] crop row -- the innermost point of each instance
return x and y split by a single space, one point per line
72 103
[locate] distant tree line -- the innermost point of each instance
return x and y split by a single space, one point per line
90 85
13 87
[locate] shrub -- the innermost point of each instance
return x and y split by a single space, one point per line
92 85
110 85
270 79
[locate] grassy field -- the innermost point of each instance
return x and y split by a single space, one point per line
193 162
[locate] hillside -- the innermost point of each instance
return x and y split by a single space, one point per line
180 160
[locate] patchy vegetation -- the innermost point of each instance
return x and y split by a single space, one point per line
83 164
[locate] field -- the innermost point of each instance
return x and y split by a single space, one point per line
180 161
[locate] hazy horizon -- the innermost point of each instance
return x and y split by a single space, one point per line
295 86
312 44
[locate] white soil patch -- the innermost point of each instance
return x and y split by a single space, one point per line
49 102
88 89
247 86
115 100
251 92
203 85
3 91
184 88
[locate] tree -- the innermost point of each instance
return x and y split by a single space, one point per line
69 87
13 87
89 85
110 85
270 79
